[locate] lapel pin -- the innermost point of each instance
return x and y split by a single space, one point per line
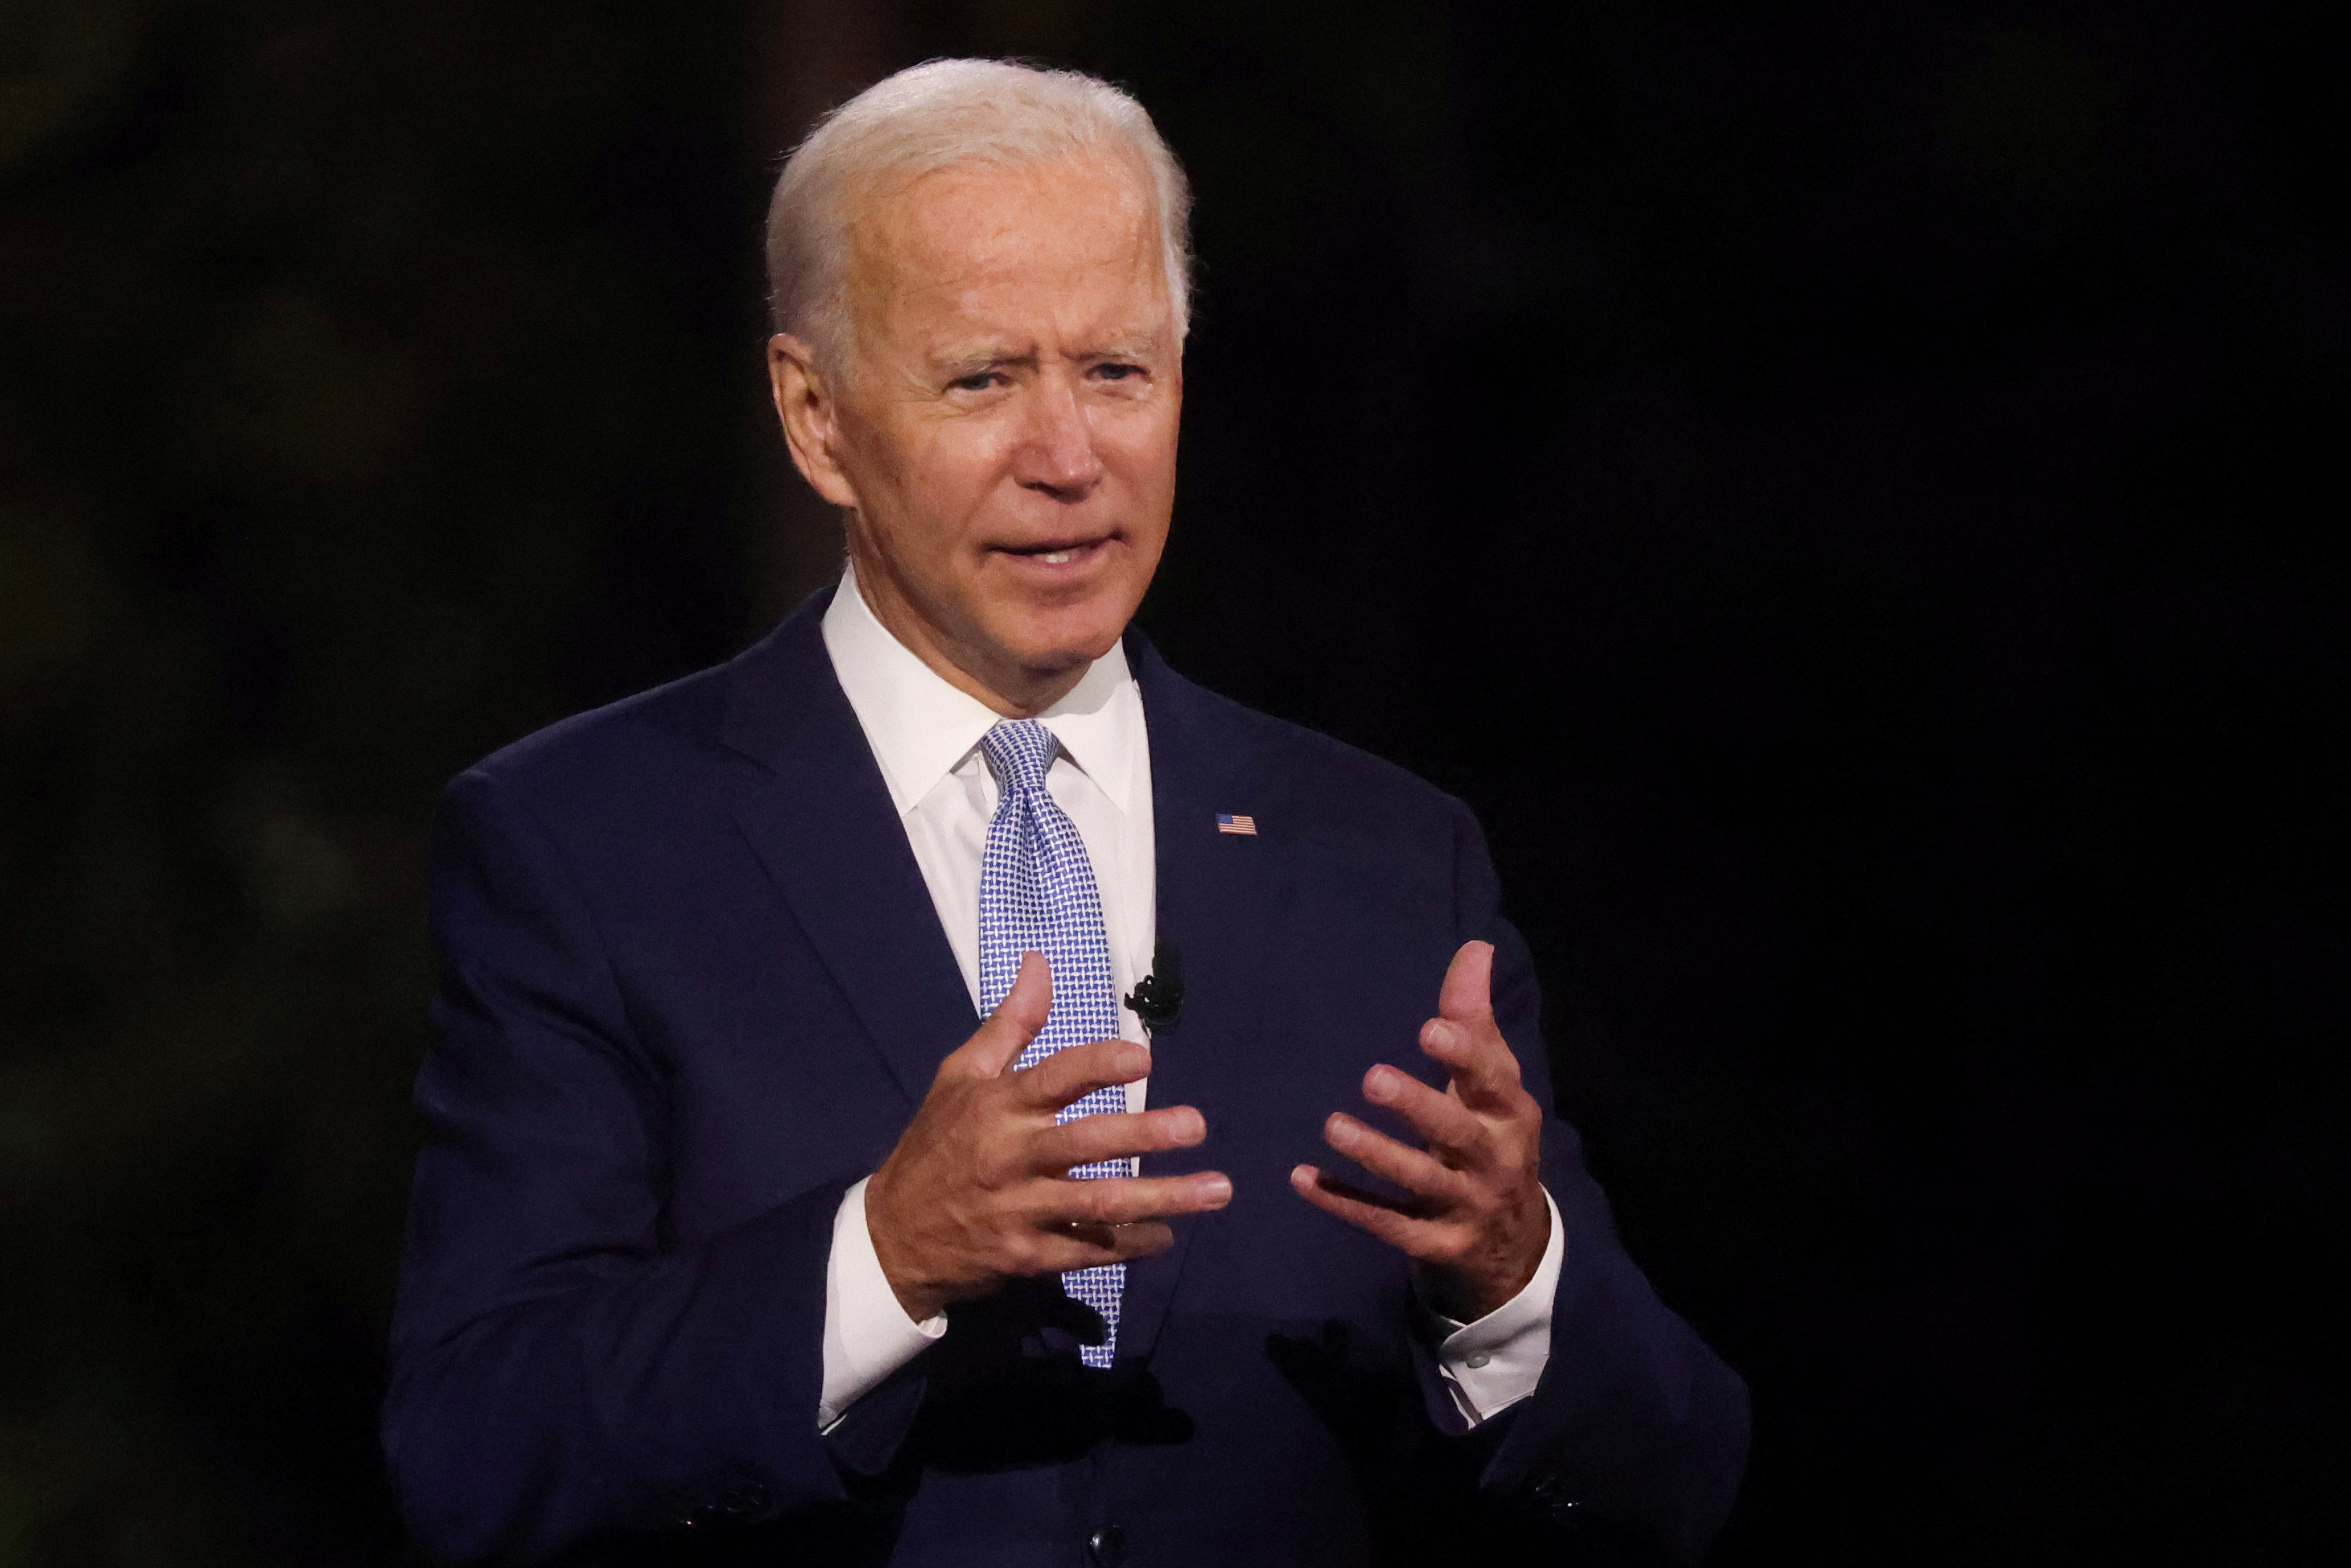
1227 823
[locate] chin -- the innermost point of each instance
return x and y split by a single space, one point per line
1061 640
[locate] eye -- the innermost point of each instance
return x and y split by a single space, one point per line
1114 371
977 381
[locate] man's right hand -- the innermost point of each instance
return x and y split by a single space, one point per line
979 1190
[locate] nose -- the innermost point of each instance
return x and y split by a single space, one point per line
1057 454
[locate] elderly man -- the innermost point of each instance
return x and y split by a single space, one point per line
874 1080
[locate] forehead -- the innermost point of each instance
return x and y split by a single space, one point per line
978 248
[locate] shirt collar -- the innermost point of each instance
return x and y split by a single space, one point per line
921 728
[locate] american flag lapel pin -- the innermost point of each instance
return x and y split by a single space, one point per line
1228 822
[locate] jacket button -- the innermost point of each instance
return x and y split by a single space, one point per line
744 1502
1550 1494
1107 1546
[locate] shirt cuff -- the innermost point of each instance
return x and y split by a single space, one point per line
1494 1362
867 1334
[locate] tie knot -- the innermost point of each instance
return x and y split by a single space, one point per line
1019 749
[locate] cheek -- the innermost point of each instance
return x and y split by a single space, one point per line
1139 446
945 483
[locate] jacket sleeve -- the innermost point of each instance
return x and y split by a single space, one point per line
564 1372
1636 1434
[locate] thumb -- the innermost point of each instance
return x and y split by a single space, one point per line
1467 996
1016 1020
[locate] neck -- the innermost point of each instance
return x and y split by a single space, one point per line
1012 690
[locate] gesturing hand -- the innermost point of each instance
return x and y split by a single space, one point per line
979 1189
1477 1222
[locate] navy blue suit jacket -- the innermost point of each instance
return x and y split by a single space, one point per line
693 987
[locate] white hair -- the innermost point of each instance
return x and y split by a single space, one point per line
935 116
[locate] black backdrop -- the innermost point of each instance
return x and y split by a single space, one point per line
1850 496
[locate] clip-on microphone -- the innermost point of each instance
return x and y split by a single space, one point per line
1157 998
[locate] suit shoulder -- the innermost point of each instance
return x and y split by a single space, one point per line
1343 781
645 740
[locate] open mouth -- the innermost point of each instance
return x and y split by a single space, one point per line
1057 552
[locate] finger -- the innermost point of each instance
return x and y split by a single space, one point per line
1445 1122
1477 1060
1014 1024
1419 1173
1468 994
1409 1234
1064 1247
1070 1076
1126 1199
1113 1136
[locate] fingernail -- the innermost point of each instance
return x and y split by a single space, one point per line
1380 1084
1217 1190
1338 1131
1188 1126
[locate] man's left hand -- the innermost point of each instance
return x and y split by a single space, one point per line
1475 1223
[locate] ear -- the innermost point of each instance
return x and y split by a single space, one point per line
810 412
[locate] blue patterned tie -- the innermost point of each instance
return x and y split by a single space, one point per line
1036 893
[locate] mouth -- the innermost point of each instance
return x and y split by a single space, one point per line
1058 553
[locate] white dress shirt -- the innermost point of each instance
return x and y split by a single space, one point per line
925 734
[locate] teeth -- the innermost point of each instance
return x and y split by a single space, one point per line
1059 557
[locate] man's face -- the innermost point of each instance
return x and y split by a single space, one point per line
1006 437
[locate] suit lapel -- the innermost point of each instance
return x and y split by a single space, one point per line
1217 898
820 818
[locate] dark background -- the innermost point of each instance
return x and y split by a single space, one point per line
1851 495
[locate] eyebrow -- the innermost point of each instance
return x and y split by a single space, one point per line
957 366
1131 346
1127 346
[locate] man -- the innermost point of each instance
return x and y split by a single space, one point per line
827 1162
